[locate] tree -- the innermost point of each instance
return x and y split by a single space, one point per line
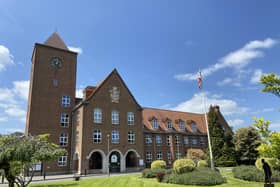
272 148
272 84
221 140
246 141
19 154
262 126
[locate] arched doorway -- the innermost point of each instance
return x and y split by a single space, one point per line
131 159
115 162
95 161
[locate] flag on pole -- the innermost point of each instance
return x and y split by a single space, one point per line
199 80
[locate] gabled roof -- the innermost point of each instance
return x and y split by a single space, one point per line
97 88
175 117
55 41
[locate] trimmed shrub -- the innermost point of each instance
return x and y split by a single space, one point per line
202 163
152 173
274 163
158 164
202 176
183 165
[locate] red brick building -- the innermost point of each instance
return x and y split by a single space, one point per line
106 128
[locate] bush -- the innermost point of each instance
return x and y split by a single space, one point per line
252 173
158 164
183 165
152 173
274 163
202 176
225 163
202 163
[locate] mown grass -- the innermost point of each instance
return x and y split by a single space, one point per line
137 181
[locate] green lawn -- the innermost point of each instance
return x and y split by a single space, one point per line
137 181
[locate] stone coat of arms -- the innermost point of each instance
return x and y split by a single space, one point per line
115 94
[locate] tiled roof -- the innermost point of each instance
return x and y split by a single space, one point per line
55 41
175 116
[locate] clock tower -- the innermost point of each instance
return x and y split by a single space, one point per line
52 96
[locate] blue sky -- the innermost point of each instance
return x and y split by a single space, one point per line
157 46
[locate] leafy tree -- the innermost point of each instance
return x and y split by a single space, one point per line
19 154
271 149
272 84
246 141
262 126
221 140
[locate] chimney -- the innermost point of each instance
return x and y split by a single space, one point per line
88 91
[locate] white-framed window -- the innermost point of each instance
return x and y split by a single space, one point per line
62 160
178 155
131 137
115 117
65 101
159 155
168 139
130 118
64 120
169 125
97 136
169 158
149 157
177 139
186 140
155 123
158 139
115 137
182 125
148 139
97 115
63 139
194 141
194 127
202 140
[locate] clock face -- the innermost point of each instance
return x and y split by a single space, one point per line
56 62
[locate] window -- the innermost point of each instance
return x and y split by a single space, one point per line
202 142
169 125
131 137
97 136
62 160
130 118
155 123
168 140
148 139
63 139
97 115
64 120
149 157
115 137
194 141
177 140
158 139
65 101
159 155
186 140
178 155
55 82
182 125
169 158
194 127
115 117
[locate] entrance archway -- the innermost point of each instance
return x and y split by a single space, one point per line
131 159
95 161
115 162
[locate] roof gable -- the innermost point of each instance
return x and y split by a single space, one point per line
55 41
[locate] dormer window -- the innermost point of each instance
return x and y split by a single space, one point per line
194 127
182 125
169 125
155 123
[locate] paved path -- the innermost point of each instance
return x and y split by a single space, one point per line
53 178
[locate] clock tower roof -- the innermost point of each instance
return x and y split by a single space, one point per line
55 41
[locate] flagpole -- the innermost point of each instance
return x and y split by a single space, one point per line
206 121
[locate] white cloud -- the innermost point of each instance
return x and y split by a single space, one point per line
21 88
225 81
6 58
236 59
3 119
235 122
75 49
195 104
255 79
79 93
